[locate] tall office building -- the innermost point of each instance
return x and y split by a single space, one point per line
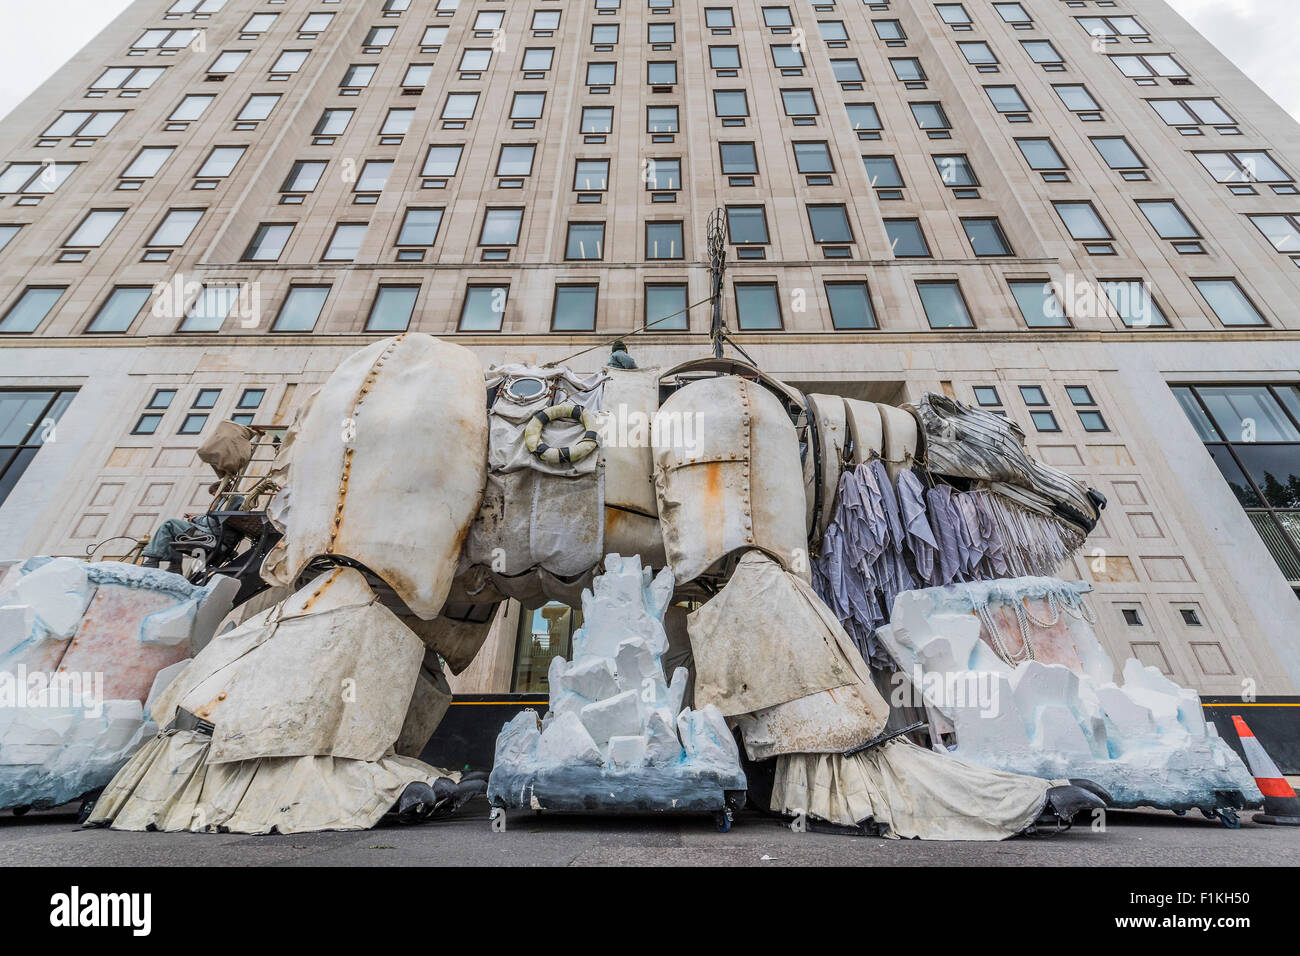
1076 214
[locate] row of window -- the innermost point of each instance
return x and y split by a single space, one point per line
758 306
196 417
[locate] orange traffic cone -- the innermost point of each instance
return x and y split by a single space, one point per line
1281 805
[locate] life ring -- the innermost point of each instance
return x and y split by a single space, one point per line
561 454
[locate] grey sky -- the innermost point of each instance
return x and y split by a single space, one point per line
1254 34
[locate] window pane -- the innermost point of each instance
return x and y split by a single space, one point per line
829 224
850 305
211 309
393 308
94 229
528 106
1082 220
746 224
442 161
176 228
1040 154
1133 304
420 227
906 239
586 240
943 304
663 240
882 172
757 307
302 308
813 158
986 238
1167 220
1229 302
501 227
665 300
1038 304
31 309
738 158
119 309
346 242
1248 414
575 308
483 309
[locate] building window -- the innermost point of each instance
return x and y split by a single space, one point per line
882 172
850 304
906 240
442 161
591 175
1081 220
26 314
345 244
1167 219
663 240
586 240
392 309
944 305
830 223
94 229
1189 115
747 225
1007 100
597 119
665 307
1119 155
208 312
1038 304
1036 399
663 174
738 159
758 306
420 227
574 309
120 309
986 236
483 308
1133 303
268 242
28 418
1232 306
1081 398
1078 100
544 633
501 227
661 119
175 229
302 308
1252 433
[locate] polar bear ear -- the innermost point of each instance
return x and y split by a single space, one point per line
660 593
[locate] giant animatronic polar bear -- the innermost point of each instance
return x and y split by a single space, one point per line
407 501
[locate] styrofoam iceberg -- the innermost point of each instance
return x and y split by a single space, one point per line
1057 712
616 735
83 649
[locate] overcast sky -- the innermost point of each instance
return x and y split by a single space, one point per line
1260 36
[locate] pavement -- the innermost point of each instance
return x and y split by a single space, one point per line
1124 838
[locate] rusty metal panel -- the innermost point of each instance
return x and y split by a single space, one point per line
832 429
728 477
865 428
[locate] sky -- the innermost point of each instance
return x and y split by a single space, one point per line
1254 34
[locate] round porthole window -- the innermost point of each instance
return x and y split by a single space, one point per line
525 389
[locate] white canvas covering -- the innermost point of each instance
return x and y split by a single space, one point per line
510 416
915 793
328 673
387 467
308 702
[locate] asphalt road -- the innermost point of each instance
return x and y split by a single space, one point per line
1147 838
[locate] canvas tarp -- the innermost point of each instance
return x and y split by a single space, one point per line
229 449
328 673
168 785
912 791
767 639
